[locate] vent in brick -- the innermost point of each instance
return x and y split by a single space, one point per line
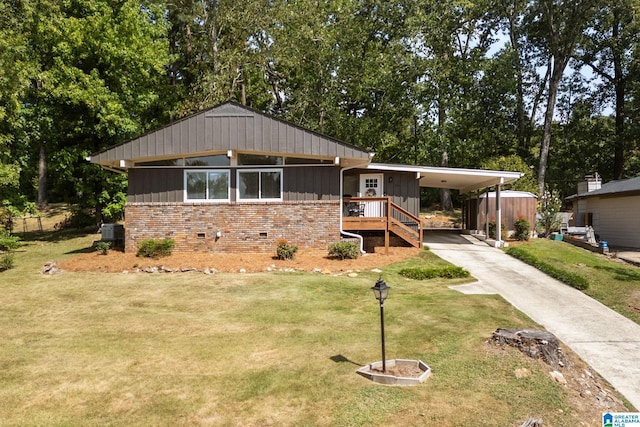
201 235
263 234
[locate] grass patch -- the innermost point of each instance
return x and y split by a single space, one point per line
254 349
615 284
557 272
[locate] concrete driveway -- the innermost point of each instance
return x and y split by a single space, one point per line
607 341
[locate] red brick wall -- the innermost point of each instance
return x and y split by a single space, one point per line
245 227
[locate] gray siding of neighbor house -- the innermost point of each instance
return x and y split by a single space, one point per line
228 127
616 219
166 185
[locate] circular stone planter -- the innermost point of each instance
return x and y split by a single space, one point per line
399 372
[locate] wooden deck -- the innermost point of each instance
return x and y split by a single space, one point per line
381 214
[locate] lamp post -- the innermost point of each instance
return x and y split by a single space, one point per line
381 290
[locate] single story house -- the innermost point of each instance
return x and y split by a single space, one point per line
233 179
611 209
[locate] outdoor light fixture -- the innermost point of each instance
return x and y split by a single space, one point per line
381 291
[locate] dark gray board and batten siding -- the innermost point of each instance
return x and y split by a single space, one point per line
166 185
228 127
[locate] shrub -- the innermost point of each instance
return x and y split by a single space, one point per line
344 250
521 227
571 279
8 242
424 273
492 230
103 247
153 248
7 261
548 209
284 250
78 219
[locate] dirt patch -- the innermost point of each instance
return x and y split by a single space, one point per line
588 394
117 262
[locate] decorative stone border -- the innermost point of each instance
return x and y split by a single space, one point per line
373 372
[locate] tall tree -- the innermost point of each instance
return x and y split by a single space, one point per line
97 80
15 70
453 39
607 49
556 26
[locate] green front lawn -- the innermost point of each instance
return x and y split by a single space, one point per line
613 283
252 350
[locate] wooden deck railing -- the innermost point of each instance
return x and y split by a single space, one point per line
381 214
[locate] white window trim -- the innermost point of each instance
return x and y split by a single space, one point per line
207 200
260 198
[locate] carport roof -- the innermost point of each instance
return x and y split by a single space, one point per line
464 180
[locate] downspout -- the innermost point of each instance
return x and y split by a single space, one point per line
346 233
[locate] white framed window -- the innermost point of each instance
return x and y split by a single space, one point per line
260 184
206 185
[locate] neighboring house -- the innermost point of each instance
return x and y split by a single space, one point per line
612 209
232 179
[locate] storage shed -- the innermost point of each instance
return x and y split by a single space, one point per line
514 205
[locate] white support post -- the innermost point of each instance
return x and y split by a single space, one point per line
486 214
499 241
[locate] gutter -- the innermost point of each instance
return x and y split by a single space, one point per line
346 233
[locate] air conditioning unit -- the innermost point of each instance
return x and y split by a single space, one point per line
113 233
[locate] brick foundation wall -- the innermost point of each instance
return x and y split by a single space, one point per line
244 227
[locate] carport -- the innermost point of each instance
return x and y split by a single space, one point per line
463 180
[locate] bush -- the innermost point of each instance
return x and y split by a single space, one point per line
521 227
7 261
77 219
424 273
548 209
344 250
8 242
492 230
153 248
103 247
571 279
285 250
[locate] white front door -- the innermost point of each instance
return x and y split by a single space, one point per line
371 186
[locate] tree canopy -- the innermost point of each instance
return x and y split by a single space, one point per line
549 87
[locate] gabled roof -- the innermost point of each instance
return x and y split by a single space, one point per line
228 126
464 180
622 187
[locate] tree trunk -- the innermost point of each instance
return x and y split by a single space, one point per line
522 119
446 204
545 144
620 86
42 179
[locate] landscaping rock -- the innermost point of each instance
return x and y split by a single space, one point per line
532 422
50 268
557 375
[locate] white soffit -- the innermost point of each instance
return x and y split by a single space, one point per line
464 180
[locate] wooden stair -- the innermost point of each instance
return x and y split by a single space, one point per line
383 215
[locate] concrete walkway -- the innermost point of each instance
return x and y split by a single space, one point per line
607 341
